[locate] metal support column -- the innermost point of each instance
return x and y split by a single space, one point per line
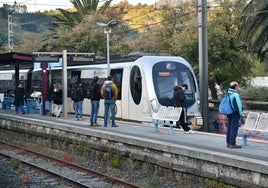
44 86
203 60
64 82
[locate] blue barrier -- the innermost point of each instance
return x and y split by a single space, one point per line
34 104
6 104
31 106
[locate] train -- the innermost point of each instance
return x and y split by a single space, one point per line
145 83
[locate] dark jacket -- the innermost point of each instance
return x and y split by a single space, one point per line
79 93
19 96
56 97
96 91
179 98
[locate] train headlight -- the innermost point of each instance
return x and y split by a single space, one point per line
199 120
154 105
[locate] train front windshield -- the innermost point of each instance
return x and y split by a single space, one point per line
167 75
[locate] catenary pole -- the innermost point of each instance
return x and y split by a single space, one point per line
203 61
64 82
108 51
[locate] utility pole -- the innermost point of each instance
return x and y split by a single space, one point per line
203 60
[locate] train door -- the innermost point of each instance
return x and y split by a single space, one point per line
125 105
75 76
117 75
138 100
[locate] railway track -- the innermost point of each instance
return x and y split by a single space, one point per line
75 175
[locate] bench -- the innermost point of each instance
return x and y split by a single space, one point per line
256 125
167 115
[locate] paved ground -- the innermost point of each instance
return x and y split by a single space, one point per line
256 150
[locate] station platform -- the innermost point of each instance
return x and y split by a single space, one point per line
252 157
256 149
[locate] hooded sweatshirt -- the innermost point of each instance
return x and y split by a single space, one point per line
114 88
179 98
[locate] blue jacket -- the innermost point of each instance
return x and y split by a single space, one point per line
235 101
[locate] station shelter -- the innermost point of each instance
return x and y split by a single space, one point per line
14 61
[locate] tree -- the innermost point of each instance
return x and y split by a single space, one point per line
84 37
224 55
67 35
82 8
254 27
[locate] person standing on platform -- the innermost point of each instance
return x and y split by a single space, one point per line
180 101
109 92
49 96
19 98
77 95
56 99
233 118
9 94
95 101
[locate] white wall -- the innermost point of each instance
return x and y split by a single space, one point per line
259 82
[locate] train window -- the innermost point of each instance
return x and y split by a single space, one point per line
167 75
136 84
117 75
75 77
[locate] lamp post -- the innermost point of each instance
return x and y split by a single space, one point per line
107 31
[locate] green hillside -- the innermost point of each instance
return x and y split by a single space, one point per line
34 24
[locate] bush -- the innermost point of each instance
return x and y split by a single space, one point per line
254 93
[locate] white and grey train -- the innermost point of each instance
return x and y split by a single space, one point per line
144 85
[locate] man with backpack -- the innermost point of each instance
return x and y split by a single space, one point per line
234 117
95 96
77 96
109 92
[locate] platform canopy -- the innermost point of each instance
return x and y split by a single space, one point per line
17 59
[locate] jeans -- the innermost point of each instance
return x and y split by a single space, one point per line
232 128
78 109
19 108
94 111
109 104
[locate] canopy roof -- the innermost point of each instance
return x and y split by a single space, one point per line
12 58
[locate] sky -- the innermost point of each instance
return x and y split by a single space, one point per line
36 5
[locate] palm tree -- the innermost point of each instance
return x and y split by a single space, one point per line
83 7
254 27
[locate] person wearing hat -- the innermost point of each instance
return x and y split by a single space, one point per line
95 101
233 118
180 101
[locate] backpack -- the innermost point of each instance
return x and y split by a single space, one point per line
90 92
73 94
225 105
108 91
